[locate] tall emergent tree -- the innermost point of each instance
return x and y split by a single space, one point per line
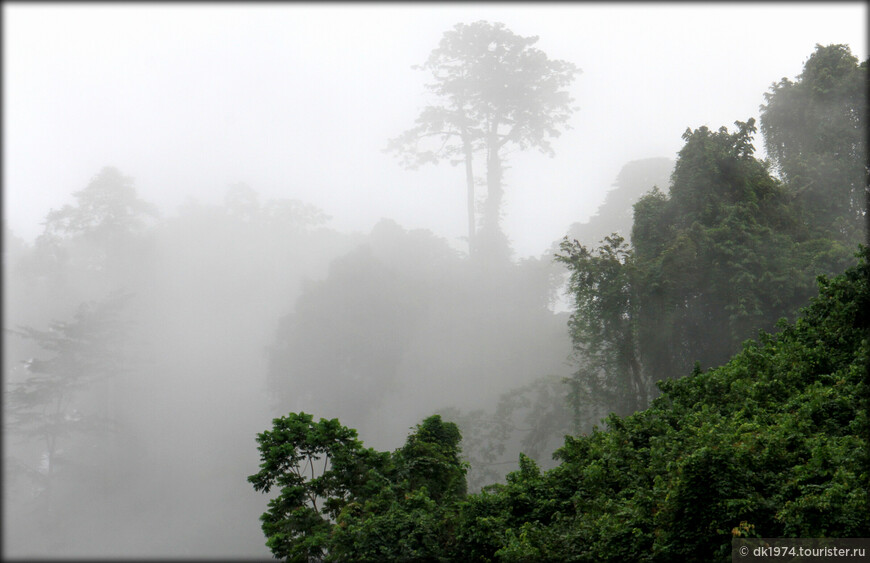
496 90
96 243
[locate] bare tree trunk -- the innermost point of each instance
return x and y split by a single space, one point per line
493 242
494 190
469 181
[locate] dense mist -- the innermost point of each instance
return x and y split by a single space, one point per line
213 241
222 318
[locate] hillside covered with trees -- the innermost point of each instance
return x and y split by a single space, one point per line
722 418
771 444
686 365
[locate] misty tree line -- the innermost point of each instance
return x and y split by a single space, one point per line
116 305
765 442
771 444
119 322
736 243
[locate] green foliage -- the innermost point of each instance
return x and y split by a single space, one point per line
721 252
410 515
412 526
319 468
721 256
603 326
815 132
767 441
774 443
341 501
430 458
771 444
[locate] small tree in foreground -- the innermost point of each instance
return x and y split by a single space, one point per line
339 500
318 467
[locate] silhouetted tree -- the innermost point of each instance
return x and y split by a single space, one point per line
96 245
64 400
496 90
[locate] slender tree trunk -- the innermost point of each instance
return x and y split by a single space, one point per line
469 181
494 189
493 242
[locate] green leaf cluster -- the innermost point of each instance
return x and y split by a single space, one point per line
735 244
815 131
340 501
721 257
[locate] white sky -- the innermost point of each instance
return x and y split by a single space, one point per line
297 100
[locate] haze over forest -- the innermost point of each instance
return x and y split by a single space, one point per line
210 221
298 101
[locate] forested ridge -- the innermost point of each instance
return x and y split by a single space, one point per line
765 437
704 376
771 444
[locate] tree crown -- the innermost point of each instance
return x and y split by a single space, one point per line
496 88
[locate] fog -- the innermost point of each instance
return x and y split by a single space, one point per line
272 257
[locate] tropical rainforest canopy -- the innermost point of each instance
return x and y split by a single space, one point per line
695 353
722 418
